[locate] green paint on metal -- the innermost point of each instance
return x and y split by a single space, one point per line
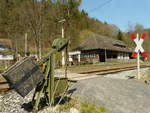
51 86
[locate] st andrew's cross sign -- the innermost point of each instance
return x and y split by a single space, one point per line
139 47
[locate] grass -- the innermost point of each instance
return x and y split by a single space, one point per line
69 104
87 107
82 107
2 67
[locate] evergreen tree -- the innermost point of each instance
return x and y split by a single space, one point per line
120 36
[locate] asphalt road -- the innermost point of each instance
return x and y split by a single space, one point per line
117 95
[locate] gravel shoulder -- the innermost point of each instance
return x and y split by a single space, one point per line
11 102
117 95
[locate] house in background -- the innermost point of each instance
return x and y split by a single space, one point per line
6 54
97 48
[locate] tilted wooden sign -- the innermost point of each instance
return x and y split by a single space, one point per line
139 47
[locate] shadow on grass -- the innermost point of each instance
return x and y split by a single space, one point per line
44 102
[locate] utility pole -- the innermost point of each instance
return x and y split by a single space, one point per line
40 49
25 51
62 30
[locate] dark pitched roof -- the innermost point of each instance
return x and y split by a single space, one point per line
103 42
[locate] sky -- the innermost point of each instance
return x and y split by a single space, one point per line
119 12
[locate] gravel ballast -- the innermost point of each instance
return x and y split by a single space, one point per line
11 102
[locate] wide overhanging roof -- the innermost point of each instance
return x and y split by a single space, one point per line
103 42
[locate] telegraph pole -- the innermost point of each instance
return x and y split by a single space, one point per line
26 36
63 53
62 30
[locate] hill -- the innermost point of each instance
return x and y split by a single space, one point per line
40 20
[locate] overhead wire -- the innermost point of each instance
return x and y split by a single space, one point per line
100 6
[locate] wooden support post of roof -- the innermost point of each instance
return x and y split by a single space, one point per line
105 55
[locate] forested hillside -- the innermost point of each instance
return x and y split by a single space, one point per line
39 19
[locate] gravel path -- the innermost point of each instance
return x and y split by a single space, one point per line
117 95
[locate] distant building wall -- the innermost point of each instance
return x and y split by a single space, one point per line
122 56
94 56
6 57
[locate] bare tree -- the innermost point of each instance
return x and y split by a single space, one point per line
34 11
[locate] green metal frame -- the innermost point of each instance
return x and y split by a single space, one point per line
47 87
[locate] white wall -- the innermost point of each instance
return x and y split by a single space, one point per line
6 57
122 56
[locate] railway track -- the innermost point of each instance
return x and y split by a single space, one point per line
95 73
4 87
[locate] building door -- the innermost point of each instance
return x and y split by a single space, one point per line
102 57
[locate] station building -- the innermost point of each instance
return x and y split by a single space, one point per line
98 48
6 54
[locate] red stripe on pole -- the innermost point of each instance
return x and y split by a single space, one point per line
133 36
145 55
134 54
143 36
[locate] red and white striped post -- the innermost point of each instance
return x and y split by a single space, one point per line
138 49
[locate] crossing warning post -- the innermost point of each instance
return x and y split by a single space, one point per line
138 41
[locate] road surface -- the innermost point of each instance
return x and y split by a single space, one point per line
117 95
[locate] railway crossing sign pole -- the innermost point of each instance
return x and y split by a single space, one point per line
138 49
138 61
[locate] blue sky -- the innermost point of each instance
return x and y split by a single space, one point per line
119 12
